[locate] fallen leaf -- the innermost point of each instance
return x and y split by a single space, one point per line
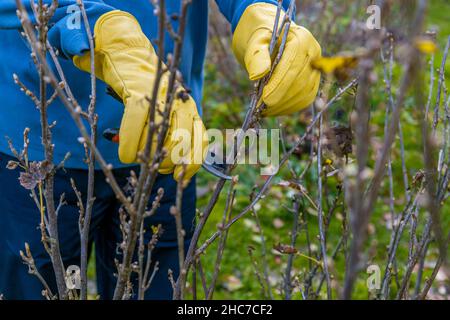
278 260
232 283
257 238
441 276
278 223
250 224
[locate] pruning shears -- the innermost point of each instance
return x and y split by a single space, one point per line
112 134
214 169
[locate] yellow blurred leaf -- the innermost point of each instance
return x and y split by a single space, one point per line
331 64
425 45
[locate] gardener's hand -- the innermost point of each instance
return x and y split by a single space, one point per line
126 61
294 83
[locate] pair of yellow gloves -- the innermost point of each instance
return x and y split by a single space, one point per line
126 61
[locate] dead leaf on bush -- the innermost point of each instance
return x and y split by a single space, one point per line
12 165
292 184
36 173
285 249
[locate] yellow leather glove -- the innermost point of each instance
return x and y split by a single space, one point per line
294 83
126 61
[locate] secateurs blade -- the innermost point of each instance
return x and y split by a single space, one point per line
113 136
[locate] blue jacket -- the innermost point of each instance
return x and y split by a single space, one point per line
16 109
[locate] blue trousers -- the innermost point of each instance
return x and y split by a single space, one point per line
19 222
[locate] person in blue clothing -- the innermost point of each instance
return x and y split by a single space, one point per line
125 60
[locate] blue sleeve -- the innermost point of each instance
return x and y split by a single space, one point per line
67 32
233 9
